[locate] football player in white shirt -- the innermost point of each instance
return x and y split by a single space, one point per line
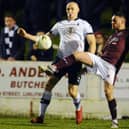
72 32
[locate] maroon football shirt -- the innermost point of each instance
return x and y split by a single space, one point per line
116 49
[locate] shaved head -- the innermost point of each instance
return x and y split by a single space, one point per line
73 3
72 10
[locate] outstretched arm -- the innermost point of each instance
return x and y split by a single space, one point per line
22 32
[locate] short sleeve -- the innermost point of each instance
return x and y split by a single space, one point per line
54 29
87 28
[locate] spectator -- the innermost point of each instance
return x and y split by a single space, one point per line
11 44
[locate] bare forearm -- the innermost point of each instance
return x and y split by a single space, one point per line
31 37
22 32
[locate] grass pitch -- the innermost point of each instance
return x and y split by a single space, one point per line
56 123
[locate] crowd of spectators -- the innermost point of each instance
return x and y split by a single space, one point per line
39 15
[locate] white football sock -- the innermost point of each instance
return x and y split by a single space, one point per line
43 105
76 102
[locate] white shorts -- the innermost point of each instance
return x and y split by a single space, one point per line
102 68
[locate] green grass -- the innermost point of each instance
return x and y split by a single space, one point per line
52 123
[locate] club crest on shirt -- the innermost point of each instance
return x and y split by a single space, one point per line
70 30
114 40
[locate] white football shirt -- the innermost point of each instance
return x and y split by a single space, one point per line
72 35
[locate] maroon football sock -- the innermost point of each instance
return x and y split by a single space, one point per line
113 109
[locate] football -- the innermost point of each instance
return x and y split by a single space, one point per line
44 42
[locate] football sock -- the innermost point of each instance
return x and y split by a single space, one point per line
45 100
65 62
113 109
77 101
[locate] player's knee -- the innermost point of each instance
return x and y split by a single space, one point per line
72 93
73 90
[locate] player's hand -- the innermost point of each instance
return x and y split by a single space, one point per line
21 32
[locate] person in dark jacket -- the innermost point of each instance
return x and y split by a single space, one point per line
11 44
